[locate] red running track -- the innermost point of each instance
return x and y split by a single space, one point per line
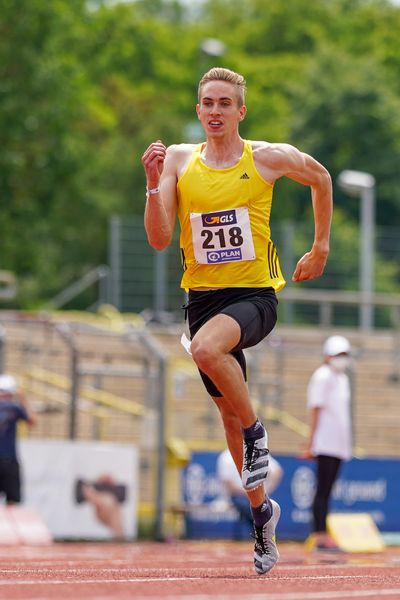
188 570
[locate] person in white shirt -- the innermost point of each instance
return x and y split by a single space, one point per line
329 440
228 475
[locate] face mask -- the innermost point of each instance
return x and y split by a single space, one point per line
340 363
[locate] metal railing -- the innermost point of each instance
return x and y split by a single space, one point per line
156 366
160 402
327 299
100 275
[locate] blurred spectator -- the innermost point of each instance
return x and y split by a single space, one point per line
329 440
13 408
228 475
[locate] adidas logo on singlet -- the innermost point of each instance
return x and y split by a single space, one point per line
244 176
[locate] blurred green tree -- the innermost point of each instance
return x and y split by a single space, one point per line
86 85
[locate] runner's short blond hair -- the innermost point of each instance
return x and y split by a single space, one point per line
222 74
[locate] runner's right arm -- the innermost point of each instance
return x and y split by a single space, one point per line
160 212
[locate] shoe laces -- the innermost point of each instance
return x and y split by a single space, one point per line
250 450
252 453
260 542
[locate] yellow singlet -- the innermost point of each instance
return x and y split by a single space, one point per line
224 217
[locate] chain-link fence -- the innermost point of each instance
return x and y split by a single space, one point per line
146 280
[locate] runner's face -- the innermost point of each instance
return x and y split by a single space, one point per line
218 109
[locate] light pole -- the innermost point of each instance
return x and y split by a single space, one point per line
213 47
358 183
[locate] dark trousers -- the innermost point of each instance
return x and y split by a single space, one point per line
10 480
327 471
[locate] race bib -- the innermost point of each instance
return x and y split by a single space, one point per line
223 236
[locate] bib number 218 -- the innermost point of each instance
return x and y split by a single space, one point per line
231 238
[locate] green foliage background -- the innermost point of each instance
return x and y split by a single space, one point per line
86 86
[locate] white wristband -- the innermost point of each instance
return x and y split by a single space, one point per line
153 191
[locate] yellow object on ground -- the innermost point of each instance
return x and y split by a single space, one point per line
355 532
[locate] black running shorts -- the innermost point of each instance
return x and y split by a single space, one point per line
254 309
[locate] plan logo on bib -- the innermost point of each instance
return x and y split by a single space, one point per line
218 256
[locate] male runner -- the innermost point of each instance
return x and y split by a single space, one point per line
221 191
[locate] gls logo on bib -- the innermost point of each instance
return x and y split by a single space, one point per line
226 217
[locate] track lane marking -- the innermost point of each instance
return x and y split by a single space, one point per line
274 596
68 581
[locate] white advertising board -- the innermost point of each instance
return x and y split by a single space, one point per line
81 490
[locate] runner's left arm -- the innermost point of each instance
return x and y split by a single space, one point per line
288 161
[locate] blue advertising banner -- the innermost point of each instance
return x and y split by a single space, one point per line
369 485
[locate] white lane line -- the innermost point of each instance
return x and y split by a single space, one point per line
206 572
100 581
68 581
281 596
